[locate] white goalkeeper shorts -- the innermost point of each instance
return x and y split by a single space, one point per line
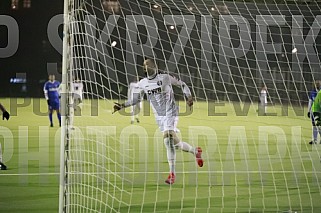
166 123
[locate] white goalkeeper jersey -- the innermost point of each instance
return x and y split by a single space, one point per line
160 93
78 89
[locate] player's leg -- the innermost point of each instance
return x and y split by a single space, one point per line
132 114
56 107
314 131
77 103
80 105
77 109
50 111
262 109
316 127
171 154
181 144
59 116
172 142
186 147
50 115
2 166
137 111
316 122
167 128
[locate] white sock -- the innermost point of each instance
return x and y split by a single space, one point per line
186 147
171 153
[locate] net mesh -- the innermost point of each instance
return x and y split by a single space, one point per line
225 51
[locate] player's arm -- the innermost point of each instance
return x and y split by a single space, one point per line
5 113
130 102
187 92
45 91
59 90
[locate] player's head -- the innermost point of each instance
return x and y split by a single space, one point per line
150 67
51 77
317 85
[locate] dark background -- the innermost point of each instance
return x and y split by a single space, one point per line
34 51
107 76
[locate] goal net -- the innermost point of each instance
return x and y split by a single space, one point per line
250 66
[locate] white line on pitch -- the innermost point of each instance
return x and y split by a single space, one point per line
188 172
30 174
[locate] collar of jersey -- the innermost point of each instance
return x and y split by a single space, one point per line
152 77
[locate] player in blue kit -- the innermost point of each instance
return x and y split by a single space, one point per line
312 95
51 91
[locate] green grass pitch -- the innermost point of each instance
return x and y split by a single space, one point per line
252 163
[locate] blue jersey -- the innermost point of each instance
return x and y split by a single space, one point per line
313 94
51 90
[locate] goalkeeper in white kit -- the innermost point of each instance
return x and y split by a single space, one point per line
158 88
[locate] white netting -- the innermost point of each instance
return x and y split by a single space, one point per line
225 51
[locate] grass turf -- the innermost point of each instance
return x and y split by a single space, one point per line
252 163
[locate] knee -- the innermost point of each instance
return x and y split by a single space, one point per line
168 140
168 134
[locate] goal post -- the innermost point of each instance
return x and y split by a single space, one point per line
250 66
66 105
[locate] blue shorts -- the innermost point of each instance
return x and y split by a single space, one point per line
54 105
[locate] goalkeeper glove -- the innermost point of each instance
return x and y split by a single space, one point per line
309 114
189 101
118 107
5 115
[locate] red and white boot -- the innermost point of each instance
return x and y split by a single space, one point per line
171 178
198 156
